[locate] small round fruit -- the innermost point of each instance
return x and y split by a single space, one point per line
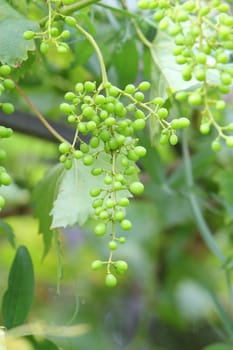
121 266
64 147
216 146
112 245
173 139
5 179
136 188
96 265
8 108
194 99
110 280
126 225
5 70
100 229
229 141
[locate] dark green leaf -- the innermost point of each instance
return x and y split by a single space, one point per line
18 298
14 48
125 61
43 197
42 344
7 230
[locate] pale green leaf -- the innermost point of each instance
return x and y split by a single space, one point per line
14 48
167 74
74 203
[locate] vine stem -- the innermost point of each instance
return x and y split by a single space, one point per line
97 51
205 232
39 115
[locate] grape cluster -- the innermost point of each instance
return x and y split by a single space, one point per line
107 120
53 33
6 84
203 41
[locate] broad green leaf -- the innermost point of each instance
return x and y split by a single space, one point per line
126 61
14 48
74 203
7 230
18 298
167 74
218 346
43 197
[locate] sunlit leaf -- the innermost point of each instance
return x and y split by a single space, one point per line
167 74
18 298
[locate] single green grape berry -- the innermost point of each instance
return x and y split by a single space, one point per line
2 202
5 179
204 128
79 87
121 266
91 125
140 151
71 21
126 225
65 34
97 203
90 86
96 265
28 35
189 5
44 47
64 147
159 101
5 132
144 86
69 96
84 148
112 245
226 78
220 105
162 113
88 159
122 240
110 280
158 15
201 58
117 185
216 146
96 171
139 124
181 96
222 58
139 96
108 180
5 70
95 192
66 108
62 158
54 32
100 229
78 154
8 108
229 141
136 188
187 73
173 139
68 164
195 99
110 203
200 74
139 114
184 122
113 91
123 202
119 215
94 142
104 215
130 89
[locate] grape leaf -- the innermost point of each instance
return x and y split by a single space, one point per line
14 48
167 73
74 203
18 298
43 196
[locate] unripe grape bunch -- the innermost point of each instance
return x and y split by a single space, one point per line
202 32
106 120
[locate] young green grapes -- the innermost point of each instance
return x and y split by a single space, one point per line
106 121
202 32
